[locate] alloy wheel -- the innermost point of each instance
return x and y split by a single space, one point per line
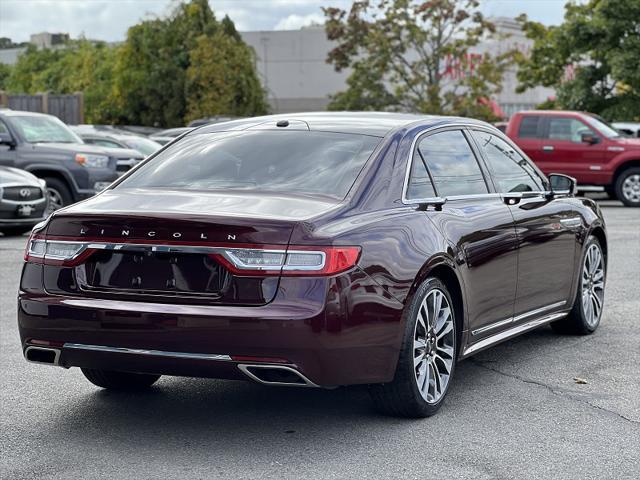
593 285
433 346
631 188
55 200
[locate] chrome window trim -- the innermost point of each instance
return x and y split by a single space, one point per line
407 173
517 318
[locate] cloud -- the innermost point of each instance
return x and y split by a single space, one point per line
294 22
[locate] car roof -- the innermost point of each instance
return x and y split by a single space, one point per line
19 113
365 123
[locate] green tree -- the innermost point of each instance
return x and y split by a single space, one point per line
81 66
164 70
222 79
169 69
402 53
5 72
592 59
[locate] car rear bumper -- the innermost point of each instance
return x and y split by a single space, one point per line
330 344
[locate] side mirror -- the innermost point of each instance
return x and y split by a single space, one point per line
7 139
589 138
562 184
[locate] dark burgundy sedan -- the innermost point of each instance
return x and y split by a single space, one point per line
314 250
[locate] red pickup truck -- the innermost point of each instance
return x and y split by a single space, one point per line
583 146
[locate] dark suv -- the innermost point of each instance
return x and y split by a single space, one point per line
46 147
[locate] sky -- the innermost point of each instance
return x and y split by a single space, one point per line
109 19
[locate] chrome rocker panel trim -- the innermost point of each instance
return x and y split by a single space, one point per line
511 332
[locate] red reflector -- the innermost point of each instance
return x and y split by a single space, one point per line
242 358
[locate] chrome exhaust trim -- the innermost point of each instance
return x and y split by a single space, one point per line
246 369
31 349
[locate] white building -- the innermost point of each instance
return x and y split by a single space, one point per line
293 68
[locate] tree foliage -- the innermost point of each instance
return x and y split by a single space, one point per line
592 59
168 71
414 56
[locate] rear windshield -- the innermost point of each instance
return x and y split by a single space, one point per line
286 162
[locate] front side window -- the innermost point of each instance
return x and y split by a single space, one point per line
300 162
510 170
568 129
43 129
452 164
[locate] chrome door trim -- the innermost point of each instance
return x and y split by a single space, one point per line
511 332
150 353
518 318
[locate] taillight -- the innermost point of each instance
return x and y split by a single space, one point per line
294 261
53 252
241 259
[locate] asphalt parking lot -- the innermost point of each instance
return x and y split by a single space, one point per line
514 411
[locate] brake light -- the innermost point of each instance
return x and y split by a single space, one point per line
53 252
294 261
254 260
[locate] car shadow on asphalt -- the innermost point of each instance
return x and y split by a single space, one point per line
203 409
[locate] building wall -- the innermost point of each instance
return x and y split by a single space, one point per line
293 68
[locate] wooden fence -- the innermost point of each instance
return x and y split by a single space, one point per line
68 108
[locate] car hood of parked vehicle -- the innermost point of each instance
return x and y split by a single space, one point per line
10 175
629 142
86 148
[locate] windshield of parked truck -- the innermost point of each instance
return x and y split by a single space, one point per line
42 129
602 126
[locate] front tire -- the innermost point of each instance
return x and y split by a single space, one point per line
58 193
120 380
427 357
627 187
584 317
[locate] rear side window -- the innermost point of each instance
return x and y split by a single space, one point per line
510 171
529 127
420 185
452 164
261 160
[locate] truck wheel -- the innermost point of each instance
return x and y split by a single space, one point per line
59 194
628 187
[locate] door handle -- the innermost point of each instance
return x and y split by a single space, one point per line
513 198
548 148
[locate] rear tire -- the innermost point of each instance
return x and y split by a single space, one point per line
427 357
120 380
584 317
59 194
627 187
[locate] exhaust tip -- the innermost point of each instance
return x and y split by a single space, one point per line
47 356
276 375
